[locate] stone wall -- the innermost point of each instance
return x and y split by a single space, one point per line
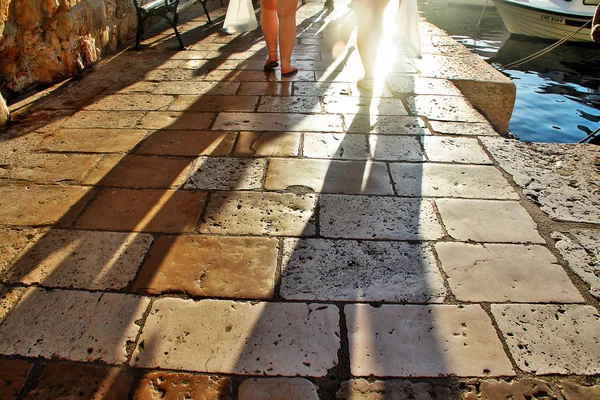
47 40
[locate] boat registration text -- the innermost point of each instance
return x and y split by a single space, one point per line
553 18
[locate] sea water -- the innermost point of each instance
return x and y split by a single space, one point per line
558 96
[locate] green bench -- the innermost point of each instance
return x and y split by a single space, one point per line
167 9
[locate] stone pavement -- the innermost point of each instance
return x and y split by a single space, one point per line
182 224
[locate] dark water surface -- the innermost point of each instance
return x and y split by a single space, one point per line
558 96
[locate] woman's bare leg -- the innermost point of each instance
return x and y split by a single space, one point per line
286 12
369 18
270 27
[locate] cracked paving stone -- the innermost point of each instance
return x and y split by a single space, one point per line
445 108
72 325
49 168
396 148
131 102
225 267
217 336
104 119
463 128
333 270
427 341
455 150
363 105
278 122
385 124
527 388
214 103
175 120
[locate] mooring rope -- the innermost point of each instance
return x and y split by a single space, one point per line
546 49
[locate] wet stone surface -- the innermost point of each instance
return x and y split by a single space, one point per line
348 270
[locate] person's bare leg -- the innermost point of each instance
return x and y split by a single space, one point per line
270 27
286 12
369 19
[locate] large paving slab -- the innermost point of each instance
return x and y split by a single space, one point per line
349 270
581 249
187 143
488 221
551 339
176 120
92 140
218 336
148 210
362 389
561 178
451 180
444 108
363 105
70 381
13 374
267 144
72 325
40 205
505 272
378 217
396 148
104 119
259 213
279 122
12 242
210 266
324 176
525 388
81 259
162 385
132 102
277 388
49 168
211 103
455 150
136 171
335 145
425 341
227 173
385 124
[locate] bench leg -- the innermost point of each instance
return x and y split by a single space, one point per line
139 33
173 23
203 2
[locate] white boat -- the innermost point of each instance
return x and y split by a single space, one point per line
547 19
473 3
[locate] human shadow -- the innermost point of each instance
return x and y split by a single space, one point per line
174 221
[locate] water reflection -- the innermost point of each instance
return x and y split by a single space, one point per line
557 93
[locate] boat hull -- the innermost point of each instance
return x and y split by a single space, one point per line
520 19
